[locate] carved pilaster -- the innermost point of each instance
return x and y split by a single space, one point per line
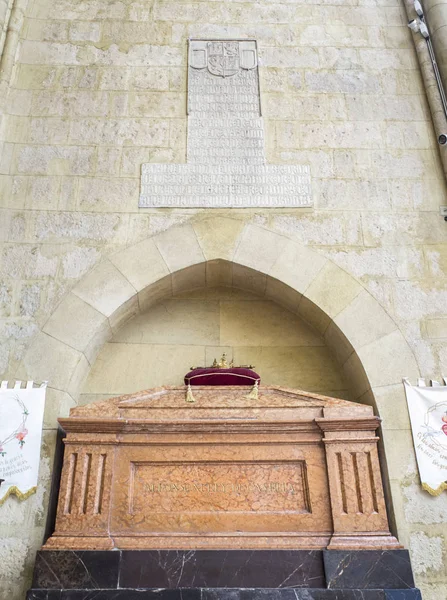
355 483
84 495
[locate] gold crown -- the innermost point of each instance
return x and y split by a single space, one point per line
224 365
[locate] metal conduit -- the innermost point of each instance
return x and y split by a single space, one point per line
437 75
431 76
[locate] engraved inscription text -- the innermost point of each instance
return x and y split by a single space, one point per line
226 166
216 487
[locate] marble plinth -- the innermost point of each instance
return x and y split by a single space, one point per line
225 594
367 569
289 470
223 575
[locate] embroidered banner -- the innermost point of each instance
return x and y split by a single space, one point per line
428 415
21 418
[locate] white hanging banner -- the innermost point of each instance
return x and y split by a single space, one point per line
428 415
21 419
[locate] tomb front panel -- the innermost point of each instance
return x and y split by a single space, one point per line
242 490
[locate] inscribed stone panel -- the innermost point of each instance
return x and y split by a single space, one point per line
225 151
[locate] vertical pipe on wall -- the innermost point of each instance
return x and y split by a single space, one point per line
11 42
435 14
430 83
8 50
5 15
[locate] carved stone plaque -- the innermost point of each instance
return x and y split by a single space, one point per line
226 492
226 164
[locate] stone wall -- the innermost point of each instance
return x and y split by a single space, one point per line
158 347
99 87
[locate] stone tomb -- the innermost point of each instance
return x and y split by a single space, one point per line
225 165
226 498
290 470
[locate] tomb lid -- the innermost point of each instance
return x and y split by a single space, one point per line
274 403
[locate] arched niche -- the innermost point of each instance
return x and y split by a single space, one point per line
220 251
158 346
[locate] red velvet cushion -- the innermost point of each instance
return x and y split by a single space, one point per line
214 376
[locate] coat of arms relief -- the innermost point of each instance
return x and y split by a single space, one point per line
223 58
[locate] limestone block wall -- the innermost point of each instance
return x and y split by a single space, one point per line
98 87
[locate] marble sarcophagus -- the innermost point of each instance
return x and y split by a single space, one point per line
289 470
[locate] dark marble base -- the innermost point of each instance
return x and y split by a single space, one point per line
367 569
179 569
225 594
223 575
80 570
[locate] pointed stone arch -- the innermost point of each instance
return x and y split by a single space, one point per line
221 251
226 251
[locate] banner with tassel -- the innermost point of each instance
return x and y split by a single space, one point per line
21 420
427 406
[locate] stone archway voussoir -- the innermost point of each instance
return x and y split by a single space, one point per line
219 237
141 264
57 404
179 247
54 361
392 406
388 359
259 248
79 325
333 289
105 288
297 266
364 321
